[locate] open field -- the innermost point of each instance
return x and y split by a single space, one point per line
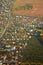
37 7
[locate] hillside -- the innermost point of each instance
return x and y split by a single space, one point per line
33 51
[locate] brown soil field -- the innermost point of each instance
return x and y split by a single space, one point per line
36 10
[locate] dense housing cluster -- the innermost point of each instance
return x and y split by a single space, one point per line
20 34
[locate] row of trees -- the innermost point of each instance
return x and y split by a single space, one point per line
25 7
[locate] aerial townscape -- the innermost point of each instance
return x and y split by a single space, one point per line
21 34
